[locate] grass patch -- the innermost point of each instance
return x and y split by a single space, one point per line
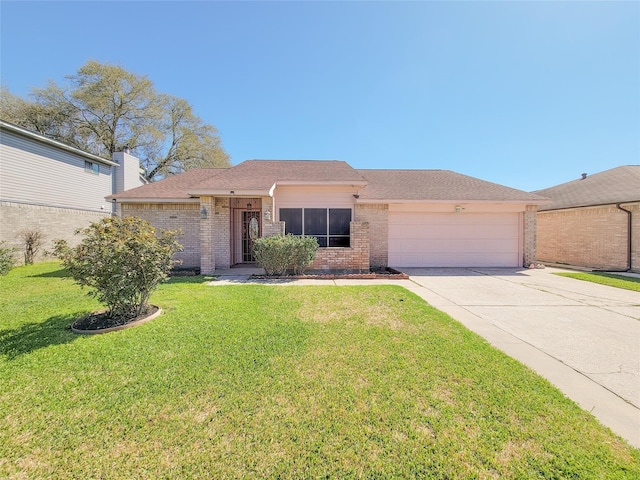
258 381
610 279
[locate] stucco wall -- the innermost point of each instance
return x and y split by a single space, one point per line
594 237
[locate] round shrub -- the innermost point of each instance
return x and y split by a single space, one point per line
122 260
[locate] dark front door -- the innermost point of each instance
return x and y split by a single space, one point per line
250 232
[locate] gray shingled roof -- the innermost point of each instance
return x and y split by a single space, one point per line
437 185
618 185
260 175
173 187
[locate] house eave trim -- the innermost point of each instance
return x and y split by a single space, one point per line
229 193
448 202
152 200
46 140
330 183
610 204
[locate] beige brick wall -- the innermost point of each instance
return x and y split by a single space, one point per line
594 237
184 217
530 235
377 216
635 241
54 223
207 256
356 257
269 226
221 233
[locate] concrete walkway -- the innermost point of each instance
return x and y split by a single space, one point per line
582 337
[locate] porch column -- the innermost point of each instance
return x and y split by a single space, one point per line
207 255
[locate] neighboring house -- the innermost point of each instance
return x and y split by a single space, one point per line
361 218
51 187
593 221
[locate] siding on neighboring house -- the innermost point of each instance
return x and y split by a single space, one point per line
39 174
47 186
593 237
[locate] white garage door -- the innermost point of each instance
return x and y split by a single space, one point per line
453 240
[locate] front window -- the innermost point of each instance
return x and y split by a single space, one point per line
330 226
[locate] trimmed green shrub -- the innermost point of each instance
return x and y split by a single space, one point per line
281 253
122 261
303 252
7 259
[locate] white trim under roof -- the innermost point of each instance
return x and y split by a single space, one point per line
228 193
55 143
350 183
453 200
150 200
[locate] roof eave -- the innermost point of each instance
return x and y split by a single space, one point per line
55 143
350 183
228 193
449 201
592 205
118 199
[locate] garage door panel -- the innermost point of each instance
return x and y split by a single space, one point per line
441 240
470 246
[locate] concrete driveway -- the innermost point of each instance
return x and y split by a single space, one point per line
581 336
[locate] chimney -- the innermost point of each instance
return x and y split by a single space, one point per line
127 174
584 175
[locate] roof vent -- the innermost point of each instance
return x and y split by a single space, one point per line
584 175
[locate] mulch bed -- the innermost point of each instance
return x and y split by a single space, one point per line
384 274
101 320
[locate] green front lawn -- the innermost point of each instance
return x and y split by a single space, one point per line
611 279
259 381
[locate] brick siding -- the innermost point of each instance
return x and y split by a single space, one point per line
635 241
54 223
221 233
530 234
164 216
594 237
377 216
353 258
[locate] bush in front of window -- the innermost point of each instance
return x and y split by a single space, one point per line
282 253
303 252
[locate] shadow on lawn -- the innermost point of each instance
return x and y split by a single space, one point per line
33 336
60 273
189 279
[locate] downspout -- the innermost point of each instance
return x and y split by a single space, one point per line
629 236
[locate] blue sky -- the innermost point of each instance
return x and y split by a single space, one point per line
526 94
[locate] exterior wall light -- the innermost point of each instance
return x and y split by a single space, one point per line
267 214
203 212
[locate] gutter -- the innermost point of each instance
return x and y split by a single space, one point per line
629 235
55 143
